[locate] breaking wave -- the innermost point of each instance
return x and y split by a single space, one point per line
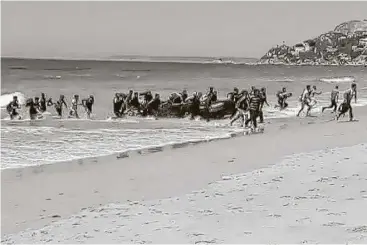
5 99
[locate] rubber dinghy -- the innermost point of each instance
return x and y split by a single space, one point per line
217 110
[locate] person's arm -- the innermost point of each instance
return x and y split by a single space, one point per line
266 101
63 102
355 97
240 101
337 97
50 102
261 106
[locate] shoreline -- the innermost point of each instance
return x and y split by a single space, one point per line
61 190
271 122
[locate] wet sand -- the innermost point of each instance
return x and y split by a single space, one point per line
37 196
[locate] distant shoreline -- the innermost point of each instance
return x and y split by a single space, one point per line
148 59
176 60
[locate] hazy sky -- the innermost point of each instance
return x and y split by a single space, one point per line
101 29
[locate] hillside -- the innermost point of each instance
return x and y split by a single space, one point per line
345 45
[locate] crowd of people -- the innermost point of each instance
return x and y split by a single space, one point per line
248 105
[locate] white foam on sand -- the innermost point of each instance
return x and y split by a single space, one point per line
317 197
34 144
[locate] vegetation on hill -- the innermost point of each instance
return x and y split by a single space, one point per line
346 45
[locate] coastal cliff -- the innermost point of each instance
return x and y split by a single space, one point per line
345 45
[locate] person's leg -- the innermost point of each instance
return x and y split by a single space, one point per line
233 114
255 114
335 105
327 107
249 119
236 117
280 103
261 115
242 117
300 110
308 109
207 113
342 110
350 113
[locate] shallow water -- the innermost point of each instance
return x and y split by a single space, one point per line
53 140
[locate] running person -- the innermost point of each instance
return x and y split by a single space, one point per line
241 108
282 98
33 108
263 101
334 99
12 108
346 105
313 94
254 108
305 100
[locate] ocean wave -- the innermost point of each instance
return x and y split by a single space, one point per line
338 80
5 99
282 80
46 145
52 77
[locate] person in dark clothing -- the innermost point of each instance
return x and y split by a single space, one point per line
282 97
347 103
88 105
184 95
129 96
334 99
61 103
58 105
36 103
210 97
134 102
235 96
153 105
12 108
214 96
241 108
254 108
195 106
175 98
147 97
43 107
33 108
263 101
117 105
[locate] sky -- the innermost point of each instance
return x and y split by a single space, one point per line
199 29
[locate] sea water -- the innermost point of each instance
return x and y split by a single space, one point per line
51 140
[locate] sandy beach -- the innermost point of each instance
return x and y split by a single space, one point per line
301 181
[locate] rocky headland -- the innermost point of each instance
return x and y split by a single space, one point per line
345 45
